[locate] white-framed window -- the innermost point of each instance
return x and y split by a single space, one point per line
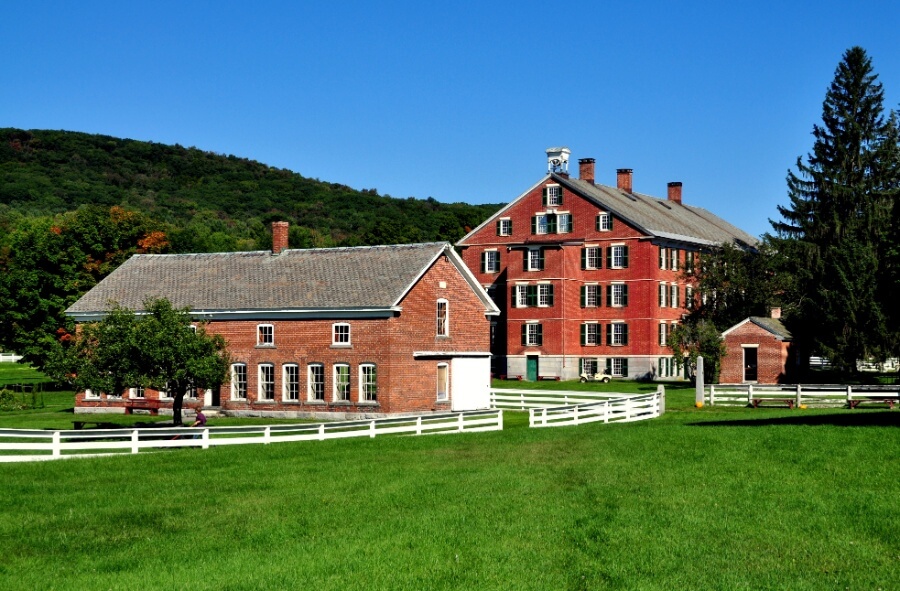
675 254
443 382
443 318
663 297
266 384
689 262
340 334
368 383
673 299
544 295
136 392
490 261
290 381
532 334
593 257
617 333
265 335
91 394
590 295
590 334
534 259
662 334
520 296
341 382
588 365
542 223
604 222
663 258
504 227
238 381
618 295
689 297
619 367
554 195
618 256
564 223
316 381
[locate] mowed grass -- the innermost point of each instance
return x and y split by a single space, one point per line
698 499
17 373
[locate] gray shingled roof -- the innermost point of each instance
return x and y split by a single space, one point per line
374 277
773 325
660 217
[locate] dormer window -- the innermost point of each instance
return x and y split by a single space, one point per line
504 227
552 196
604 222
265 335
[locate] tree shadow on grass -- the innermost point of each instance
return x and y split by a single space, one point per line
859 418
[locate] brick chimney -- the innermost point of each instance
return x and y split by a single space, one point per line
586 169
675 192
623 179
776 313
279 237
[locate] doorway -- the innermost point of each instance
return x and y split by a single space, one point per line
751 357
531 368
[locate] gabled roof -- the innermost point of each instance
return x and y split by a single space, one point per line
655 217
772 325
370 280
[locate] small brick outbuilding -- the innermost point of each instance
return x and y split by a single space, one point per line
758 351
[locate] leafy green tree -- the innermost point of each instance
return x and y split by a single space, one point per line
834 228
158 348
699 338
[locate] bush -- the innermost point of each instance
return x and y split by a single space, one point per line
8 401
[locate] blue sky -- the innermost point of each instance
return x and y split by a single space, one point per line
456 101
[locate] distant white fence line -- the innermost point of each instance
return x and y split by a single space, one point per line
819 395
9 358
18 445
558 408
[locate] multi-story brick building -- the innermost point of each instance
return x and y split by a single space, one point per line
340 333
589 276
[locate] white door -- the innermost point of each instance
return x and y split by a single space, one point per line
470 383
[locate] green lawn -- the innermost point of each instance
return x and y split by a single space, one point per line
17 373
699 499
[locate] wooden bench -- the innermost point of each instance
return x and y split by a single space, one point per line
505 377
854 402
790 402
133 404
549 378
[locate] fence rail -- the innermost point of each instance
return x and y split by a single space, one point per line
9 357
558 408
18 445
819 395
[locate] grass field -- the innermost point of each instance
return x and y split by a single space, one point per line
698 499
14 373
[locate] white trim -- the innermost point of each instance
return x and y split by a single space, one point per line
426 354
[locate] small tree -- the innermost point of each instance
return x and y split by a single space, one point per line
159 348
699 338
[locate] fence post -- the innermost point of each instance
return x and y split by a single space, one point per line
749 394
699 386
134 441
267 435
522 400
372 429
849 394
576 414
322 432
419 425
712 395
205 438
661 392
799 396
57 444
606 411
460 422
531 417
500 419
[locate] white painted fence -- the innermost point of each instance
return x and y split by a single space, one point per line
17 445
818 395
548 408
9 358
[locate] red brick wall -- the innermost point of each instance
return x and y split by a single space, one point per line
772 355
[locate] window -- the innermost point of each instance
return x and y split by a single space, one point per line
676 254
663 295
316 382
617 333
340 334
266 386
588 365
443 381
662 334
604 222
532 334
590 295
265 335
91 394
504 227
490 261
443 319
520 296
590 334
617 367
491 291
591 257
136 392
673 300
493 334
341 382
552 195
543 223
238 381
617 295
290 382
534 259
564 222
689 297
617 257
368 383
544 295
689 262
164 393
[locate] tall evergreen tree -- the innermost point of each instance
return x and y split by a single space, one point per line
835 226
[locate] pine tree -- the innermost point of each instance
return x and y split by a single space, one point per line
836 224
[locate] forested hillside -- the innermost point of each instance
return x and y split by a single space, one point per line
73 206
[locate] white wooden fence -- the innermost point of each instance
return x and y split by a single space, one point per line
559 408
9 357
17 445
818 395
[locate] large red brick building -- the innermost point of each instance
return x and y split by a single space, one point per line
340 333
590 276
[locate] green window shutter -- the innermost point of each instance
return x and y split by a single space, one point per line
600 297
611 221
541 259
525 260
534 224
561 195
609 334
543 198
583 259
624 367
531 298
550 296
551 223
540 335
510 227
498 227
483 262
625 295
609 366
524 335
609 298
609 257
583 335
580 366
662 257
625 334
583 296
597 222
624 257
513 299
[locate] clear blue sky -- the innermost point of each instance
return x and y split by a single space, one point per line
457 101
